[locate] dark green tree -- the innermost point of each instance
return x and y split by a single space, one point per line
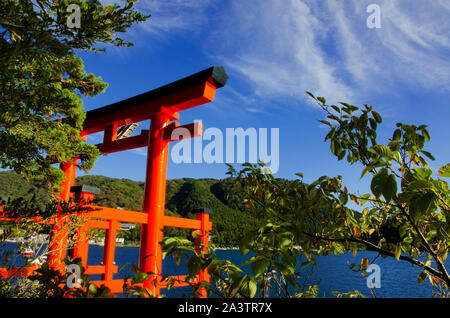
42 80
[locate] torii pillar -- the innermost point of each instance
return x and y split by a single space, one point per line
161 106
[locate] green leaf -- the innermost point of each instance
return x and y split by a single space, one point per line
444 255
397 157
431 234
194 265
341 155
140 277
425 134
336 109
248 261
259 265
422 204
310 94
384 184
285 241
429 155
248 287
244 244
325 122
376 116
397 134
347 110
422 173
343 198
335 147
170 240
421 278
363 198
365 171
330 134
444 171
252 287
321 99
304 265
378 182
92 289
291 280
382 150
289 259
390 188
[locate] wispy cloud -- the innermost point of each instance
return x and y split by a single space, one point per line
254 110
415 39
169 16
140 151
279 48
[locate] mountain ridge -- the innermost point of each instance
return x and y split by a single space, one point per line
230 220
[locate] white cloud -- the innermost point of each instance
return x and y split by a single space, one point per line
415 38
254 110
351 45
328 49
169 16
140 151
279 48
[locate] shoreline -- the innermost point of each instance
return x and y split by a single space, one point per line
101 245
135 245
233 248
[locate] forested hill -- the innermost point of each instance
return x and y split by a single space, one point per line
230 220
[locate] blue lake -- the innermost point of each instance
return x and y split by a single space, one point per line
398 278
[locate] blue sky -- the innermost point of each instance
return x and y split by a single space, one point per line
273 51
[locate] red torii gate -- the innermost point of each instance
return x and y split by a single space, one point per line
161 106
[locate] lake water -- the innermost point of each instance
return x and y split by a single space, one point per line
398 278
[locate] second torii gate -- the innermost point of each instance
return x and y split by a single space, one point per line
161 106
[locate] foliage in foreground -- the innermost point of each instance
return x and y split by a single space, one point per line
303 221
311 220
